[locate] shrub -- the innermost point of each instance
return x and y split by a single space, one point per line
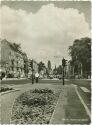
36 101
23 99
37 97
46 90
34 106
3 89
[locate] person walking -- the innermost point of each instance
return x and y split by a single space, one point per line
37 77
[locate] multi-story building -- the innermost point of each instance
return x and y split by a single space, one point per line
12 60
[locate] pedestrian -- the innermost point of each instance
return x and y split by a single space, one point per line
37 77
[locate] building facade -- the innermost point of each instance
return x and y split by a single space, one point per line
12 61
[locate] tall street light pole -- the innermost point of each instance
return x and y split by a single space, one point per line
63 64
32 71
63 76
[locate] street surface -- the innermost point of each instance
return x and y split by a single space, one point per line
74 109
86 84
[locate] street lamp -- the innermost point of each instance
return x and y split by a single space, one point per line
63 64
32 71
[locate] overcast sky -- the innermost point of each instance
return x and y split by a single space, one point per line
45 29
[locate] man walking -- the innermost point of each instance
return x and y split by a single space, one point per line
37 77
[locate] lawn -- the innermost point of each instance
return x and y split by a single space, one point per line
34 106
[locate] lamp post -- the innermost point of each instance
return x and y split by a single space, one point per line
32 71
63 64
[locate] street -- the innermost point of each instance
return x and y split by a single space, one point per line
8 99
45 64
80 83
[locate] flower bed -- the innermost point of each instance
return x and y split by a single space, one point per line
34 107
4 89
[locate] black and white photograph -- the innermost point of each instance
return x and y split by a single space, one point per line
45 62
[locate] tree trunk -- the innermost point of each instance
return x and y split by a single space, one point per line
73 71
81 70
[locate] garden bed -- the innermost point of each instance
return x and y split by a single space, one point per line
34 107
4 89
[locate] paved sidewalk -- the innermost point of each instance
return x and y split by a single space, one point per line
59 112
69 109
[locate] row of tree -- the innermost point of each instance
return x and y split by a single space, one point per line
55 71
80 53
80 62
42 66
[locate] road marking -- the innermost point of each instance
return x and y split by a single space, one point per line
85 89
82 101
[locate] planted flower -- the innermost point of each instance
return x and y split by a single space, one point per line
34 107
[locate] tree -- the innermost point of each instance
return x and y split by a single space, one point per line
25 64
57 70
49 67
80 52
49 64
16 46
41 66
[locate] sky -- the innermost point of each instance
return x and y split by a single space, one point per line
45 30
